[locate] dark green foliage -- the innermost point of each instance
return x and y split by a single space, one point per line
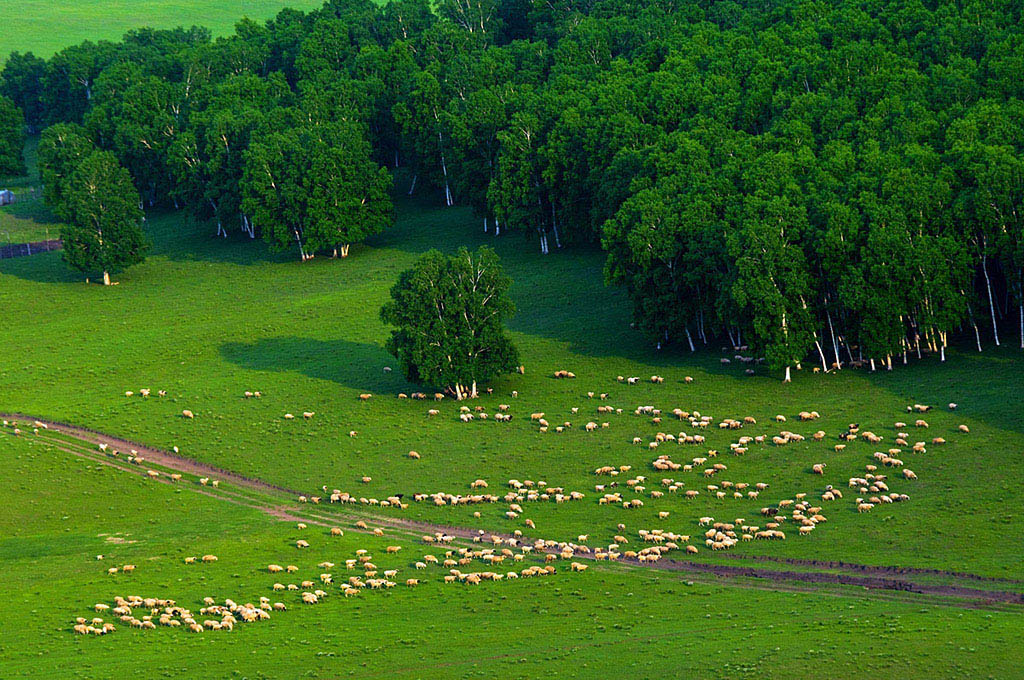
449 314
851 169
12 138
21 82
103 233
61 148
314 186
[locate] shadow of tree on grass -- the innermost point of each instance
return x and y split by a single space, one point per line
355 365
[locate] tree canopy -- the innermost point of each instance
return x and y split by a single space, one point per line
12 139
103 230
837 182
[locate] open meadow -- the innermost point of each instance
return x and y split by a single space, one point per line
206 320
511 339
46 27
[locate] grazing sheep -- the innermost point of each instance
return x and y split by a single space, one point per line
187 414
335 531
365 396
818 468
308 414
209 558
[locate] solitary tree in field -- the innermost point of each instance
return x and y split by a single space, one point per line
12 138
449 315
104 221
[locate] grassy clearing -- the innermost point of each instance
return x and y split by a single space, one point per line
62 511
207 319
46 27
28 219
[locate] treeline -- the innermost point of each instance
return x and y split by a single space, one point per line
837 181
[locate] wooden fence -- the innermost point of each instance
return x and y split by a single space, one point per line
23 249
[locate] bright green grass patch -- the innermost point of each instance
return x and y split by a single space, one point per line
207 319
60 512
45 27
27 221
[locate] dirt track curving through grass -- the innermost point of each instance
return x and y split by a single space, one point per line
274 500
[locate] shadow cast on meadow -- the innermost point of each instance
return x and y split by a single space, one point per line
355 365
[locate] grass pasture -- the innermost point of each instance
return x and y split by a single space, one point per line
206 319
64 511
47 27
28 219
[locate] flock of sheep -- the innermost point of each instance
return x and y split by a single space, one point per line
634 493
803 511
495 564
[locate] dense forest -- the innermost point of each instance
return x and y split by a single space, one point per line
830 182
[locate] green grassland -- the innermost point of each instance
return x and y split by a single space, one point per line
206 319
28 219
46 27
61 512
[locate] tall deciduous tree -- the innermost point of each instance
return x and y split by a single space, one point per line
449 315
12 138
103 232
315 186
21 82
61 148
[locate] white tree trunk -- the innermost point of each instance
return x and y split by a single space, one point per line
824 363
789 377
106 278
689 339
412 187
835 346
444 171
991 304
